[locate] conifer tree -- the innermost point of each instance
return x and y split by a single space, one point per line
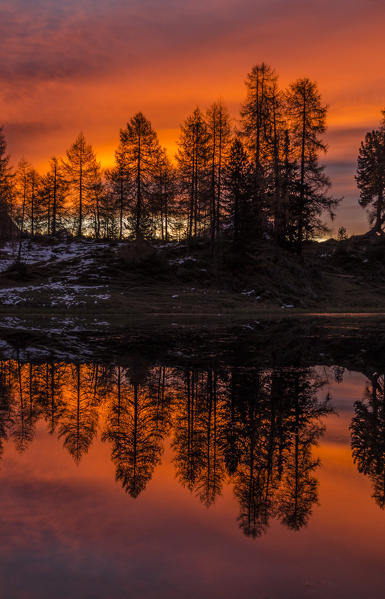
6 183
118 192
307 117
54 190
82 172
370 176
193 163
32 206
238 186
136 158
22 191
164 193
219 130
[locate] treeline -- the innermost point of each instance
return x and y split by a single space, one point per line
259 178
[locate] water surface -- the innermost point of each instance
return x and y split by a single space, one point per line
192 475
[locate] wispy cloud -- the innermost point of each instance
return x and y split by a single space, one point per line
91 63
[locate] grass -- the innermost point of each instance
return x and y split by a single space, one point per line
114 280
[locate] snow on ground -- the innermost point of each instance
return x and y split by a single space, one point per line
53 294
183 260
34 252
72 259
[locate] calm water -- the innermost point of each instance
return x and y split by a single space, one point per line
191 480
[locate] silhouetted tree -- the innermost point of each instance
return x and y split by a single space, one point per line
307 117
136 159
370 176
22 191
238 185
164 193
193 164
54 191
6 185
219 130
118 188
33 208
82 172
257 121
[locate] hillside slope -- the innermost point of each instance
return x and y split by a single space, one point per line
92 276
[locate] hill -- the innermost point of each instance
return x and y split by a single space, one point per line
90 276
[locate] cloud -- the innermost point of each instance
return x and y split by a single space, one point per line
91 63
28 129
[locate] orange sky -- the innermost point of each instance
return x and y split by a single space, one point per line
90 64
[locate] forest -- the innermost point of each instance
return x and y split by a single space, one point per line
237 180
250 191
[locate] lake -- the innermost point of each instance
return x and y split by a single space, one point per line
247 461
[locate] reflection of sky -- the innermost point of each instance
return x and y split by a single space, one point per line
91 63
70 531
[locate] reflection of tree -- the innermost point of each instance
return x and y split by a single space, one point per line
299 489
256 426
278 424
79 418
135 428
254 484
187 434
211 474
53 382
368 436
5 403
25 412
198 435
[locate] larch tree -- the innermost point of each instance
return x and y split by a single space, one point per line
6 187
307 116
193 164
278 173
164 193
118 190
54 189
22 190
82 172
97 205
219 130
257 122
33 207
237 185
370 177
136 159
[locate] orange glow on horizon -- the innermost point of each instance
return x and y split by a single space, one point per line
100 64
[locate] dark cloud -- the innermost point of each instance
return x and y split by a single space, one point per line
52 40
26 130
347 165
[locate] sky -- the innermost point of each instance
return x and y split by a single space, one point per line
91 64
